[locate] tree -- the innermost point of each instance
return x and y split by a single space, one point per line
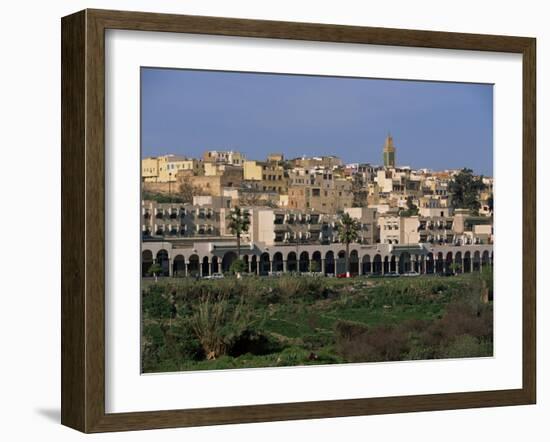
238 266
348 232
155 270
490 203
464 189
186 191
238 223
412 209
314 266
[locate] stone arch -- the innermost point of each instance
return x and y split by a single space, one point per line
341 262
304 262
193 266
404 262
476 261
291 262
417 264
265 264
430 268
205 266
386 265
354 262
316 261
439 264
178 266
467 266
215 265
278 262
459 263
254 264
485 260
393 264
329 263
146 262
163 259
227 260
366 265
246 261
449 262
377 264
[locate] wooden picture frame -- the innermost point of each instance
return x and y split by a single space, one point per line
83 217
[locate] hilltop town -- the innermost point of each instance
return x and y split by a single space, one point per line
405 220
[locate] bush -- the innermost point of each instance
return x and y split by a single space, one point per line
156 304
164 347
254 342
238 266
218 324
466 346
358 343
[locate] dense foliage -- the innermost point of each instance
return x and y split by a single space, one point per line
300 320
464 189
163 197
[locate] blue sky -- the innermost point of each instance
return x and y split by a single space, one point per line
435 125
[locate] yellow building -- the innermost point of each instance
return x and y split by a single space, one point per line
150 169
163 169
271 174
252 170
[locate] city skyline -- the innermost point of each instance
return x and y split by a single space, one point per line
434 125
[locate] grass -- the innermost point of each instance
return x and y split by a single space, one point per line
293 320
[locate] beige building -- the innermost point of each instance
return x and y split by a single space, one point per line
322 162
163 169
319 190
193 239
395 229
228 176
270 175
224 157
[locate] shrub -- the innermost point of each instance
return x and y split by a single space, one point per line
165 348
154 270
358 343
254 342
238 266
466 346
156 304
218 324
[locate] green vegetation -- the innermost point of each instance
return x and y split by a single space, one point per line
163 197
464 189
302 320
155 270
411 210
348 232
239 222
238 266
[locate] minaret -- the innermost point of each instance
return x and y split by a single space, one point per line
389 152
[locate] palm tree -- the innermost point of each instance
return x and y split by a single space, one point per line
238 223
348 231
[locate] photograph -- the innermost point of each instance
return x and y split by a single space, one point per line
297 219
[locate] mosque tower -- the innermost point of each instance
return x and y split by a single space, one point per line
389 152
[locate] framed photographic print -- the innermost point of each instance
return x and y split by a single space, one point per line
268 220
